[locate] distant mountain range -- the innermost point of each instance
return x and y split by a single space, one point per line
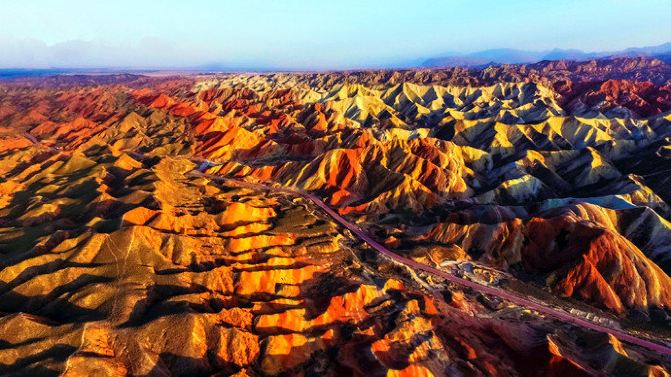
514 56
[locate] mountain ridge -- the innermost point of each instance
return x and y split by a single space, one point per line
136 239
519 56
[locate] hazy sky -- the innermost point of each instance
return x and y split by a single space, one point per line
311 34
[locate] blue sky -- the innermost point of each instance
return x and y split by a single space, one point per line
311 34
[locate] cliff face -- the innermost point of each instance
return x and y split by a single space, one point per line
119 258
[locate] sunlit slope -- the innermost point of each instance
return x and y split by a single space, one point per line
119 259
120 264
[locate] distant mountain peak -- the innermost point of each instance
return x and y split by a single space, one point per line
517 56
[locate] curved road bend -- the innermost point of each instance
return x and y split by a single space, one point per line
494 291
35 141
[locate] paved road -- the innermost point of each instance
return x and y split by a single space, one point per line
34 140
490 290
494 291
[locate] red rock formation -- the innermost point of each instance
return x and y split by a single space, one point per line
124 261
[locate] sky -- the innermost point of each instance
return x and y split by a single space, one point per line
310 34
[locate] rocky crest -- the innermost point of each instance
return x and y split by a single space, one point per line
120 258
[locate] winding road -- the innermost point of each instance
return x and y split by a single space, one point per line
486 289
494 291
365 237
